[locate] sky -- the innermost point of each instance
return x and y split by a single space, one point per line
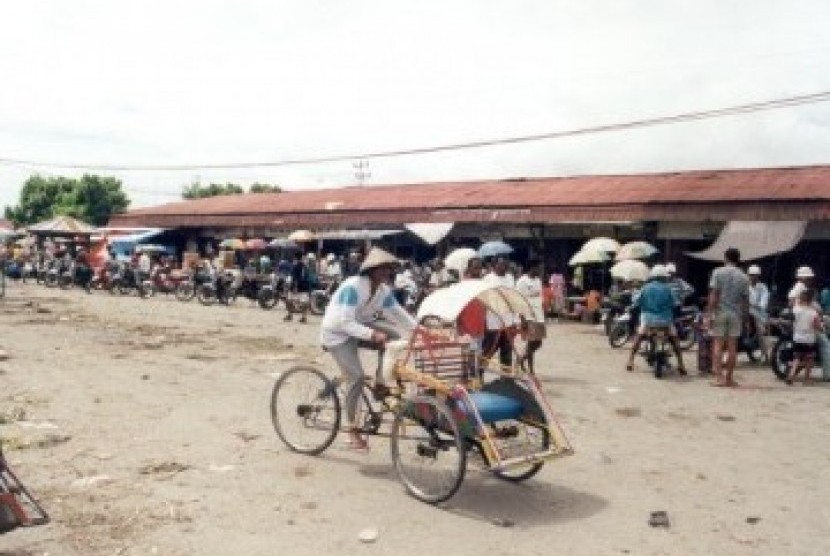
190 82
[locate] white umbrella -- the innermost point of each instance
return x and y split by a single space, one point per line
630 270
300 236
458 259
636 250
589 257
604 244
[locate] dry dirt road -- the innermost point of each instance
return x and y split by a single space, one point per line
144 428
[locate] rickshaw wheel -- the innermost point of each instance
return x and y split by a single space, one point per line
429 454
305 410
519 474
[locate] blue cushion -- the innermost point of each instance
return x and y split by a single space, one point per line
494 407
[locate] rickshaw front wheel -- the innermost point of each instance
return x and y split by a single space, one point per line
305 410
525 472
429 454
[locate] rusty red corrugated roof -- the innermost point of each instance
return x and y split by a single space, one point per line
774 184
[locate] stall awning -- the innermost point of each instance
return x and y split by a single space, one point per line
755 240
355 235
431 233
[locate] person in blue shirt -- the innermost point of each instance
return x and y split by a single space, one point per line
656 304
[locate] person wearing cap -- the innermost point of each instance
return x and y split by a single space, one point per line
333 269
350 321
679 287
758 303
300 288
656 305
727 304
806 280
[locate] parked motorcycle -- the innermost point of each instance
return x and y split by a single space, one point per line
319 298
269 293
625 327
162 282
781 355
219 290
78 275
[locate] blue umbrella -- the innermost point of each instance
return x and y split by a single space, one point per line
494 249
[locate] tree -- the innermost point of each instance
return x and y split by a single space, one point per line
264 188
198 191
92 199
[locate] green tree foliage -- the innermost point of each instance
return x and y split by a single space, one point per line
198 191
264 188
91 198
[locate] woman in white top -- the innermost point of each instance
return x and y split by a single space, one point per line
530 286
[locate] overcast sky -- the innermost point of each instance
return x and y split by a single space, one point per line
201 81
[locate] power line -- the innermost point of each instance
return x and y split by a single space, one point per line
736 110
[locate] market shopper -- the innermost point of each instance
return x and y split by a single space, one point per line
758 304
805 279
529 284
498 335
727 304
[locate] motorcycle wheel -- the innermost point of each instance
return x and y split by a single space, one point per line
206 295
686 337
317 303
185 291
266 299
781 357
230 296
65 282
619 335
146 290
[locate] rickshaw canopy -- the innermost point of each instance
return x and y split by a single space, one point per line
447 303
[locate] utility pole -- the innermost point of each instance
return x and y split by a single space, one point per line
361 171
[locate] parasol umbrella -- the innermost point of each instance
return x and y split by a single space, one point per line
458 259
300 236
255 244
494 249
232 243
589 257
604 244
283 243
150 248
636 250
630 270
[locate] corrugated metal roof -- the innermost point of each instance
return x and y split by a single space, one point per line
608 196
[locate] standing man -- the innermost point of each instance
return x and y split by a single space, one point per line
498 332
530 286
758 303
299 289
728 303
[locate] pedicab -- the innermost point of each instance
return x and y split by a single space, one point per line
18 508
442 404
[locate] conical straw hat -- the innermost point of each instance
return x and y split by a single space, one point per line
377 257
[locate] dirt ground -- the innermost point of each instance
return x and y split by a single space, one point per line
144 428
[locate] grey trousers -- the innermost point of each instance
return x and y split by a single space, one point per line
348 360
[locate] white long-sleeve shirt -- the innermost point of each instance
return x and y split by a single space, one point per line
531 288
493 321
353 306
758 300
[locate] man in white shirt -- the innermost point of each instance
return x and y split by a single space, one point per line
758 303
498 332
350 322
530 286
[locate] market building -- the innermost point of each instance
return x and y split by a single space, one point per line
679 212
